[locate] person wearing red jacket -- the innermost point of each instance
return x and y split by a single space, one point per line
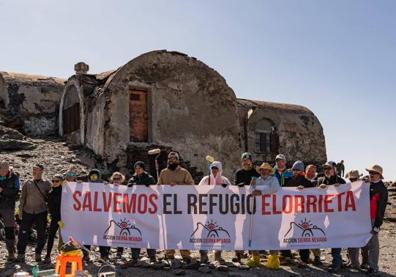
378 202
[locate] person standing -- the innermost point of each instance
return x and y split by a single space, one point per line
33 207
95 176
310 175
331 178
280 170
9 188
378 202
243 177
300 181
54 207
284 175
340 168
173 175
265 184
141 177
215 178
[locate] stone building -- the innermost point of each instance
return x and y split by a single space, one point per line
272 128
169 100
30 103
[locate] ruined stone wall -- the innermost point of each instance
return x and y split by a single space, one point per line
31 100
300 132
95 125
192 109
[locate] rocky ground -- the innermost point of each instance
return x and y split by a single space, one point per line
57 156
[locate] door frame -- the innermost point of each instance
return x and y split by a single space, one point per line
149 110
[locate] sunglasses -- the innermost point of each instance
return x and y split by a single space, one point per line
116 179
55 181
373 173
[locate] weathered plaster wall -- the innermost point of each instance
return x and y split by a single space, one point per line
300 132
95 126
193 109
33 100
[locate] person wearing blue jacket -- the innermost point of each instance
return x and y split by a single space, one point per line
267 183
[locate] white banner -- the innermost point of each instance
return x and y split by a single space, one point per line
213 217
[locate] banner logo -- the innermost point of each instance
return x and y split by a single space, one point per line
304 232
123 230
209 233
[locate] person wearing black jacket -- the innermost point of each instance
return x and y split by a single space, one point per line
378 202
9 188
331 178
243 177
54 207
95 176
300 181
141 177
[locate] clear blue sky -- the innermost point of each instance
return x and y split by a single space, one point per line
338 58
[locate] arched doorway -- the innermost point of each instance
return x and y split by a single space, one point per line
71 113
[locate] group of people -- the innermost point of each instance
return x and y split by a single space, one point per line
39 197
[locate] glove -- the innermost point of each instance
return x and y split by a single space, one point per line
19 213
61 224
322 186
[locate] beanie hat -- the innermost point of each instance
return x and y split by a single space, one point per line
140 164
298 165
246 155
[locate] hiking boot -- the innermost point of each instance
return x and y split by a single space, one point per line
37 258
334 268
132 263
364 266
372 272
187 259
204 258
273 262
47 259
10 245
317 261
302 264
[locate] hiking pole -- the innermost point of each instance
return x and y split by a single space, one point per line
157 153
210 160
252 206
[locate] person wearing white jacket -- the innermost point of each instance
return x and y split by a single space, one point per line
215 178
265 184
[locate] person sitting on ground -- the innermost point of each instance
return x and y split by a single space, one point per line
54 207
215 178
265 184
